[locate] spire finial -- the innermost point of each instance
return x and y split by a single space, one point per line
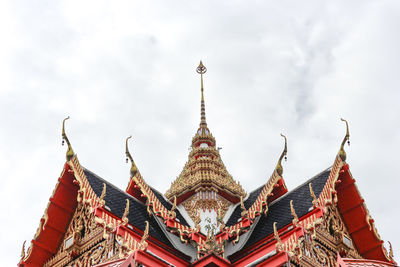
133 170
279 168
342 153
201 69
70 152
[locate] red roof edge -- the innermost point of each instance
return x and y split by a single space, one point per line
358 220
54 223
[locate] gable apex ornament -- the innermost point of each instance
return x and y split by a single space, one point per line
279 168
133 169
342 153
70 151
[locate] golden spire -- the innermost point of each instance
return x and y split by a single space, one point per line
295 218
70 152
201 69
279 168
133 170
342 153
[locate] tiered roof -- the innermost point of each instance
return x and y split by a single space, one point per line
265 228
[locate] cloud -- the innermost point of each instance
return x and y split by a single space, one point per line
129 68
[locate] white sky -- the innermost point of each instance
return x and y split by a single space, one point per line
125 67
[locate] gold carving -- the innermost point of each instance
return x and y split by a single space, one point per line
126 212
70 152
103 195
279 246
293 212
315 200
342 153
244 211
279 168
133 169
23 250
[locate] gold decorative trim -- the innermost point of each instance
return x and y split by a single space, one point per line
133 169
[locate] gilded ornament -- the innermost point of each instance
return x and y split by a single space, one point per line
315 200
279 168
342 153
102 196
279 246
133 169
124 217
70 152
23 250
293 212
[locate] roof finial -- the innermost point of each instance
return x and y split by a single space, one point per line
279 168
70 152
342 153
201 69
133 170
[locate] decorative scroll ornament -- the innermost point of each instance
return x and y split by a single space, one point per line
172 213
390 250
315 200
220 220
279 168
244 211
126 212
295 218
70 152
143 242
103 195
279 245
23 250
134 169
342 153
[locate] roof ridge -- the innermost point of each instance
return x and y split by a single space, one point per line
299 186
112 185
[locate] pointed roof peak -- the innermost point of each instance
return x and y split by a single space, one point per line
201 69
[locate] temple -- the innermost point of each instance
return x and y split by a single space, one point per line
206 218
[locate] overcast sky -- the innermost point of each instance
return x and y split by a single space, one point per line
124 67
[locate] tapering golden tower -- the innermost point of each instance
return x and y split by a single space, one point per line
204 183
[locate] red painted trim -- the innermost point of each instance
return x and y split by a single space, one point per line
213 259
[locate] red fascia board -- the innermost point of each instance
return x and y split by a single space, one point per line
163 251
278 191
355 218
267 245
59 215
276 260
213 259
145 259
